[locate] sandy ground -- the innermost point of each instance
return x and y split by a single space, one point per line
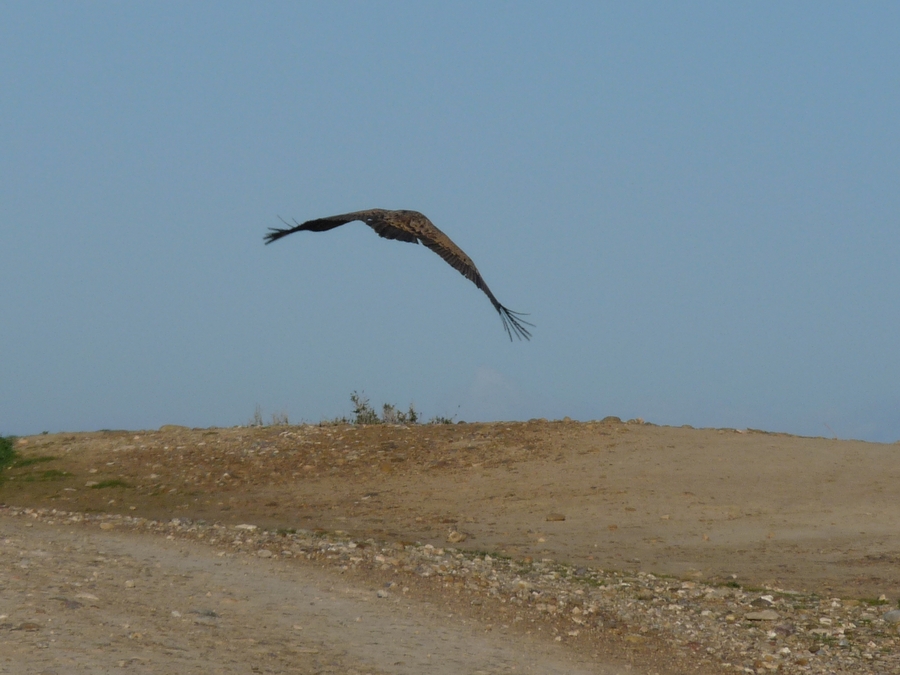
717 506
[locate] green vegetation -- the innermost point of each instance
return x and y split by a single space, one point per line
7 451
49 474
28 461
9 459
365 413
113 482
875 602
440 419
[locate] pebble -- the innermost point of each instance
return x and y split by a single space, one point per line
893 616
765 615
455 537
264 553
555 517
205 620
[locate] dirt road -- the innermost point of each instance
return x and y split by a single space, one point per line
88 600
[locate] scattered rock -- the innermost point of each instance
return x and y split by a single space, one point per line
892 617
765 615
264 553
554 517
785 629
455 537
69 604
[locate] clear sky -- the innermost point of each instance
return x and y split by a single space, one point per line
697 203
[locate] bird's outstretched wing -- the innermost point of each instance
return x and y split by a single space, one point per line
414 227
432 237
317 225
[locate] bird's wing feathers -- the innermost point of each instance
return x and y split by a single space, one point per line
454 256
386 229
320 224
440 243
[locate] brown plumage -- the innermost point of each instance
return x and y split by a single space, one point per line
414 227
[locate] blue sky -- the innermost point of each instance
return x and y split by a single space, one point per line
697 203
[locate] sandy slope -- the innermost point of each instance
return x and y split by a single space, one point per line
812 515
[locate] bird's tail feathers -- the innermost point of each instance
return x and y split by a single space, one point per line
514 324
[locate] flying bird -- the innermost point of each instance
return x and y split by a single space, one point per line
413 227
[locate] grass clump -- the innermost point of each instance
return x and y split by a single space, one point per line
440 419
278 419
7 451
49 474
111 483
28 461
390 414
365 413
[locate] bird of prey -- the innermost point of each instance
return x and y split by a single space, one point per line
413 227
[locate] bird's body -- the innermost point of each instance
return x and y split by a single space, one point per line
414 227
